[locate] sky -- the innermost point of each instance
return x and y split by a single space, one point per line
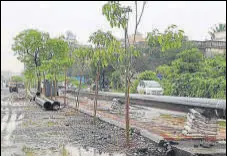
85 17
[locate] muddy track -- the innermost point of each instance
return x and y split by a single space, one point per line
11 117
27 128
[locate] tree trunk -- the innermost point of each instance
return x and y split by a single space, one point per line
44 88
103 79
55 86
127 113
26 84
78 92
39 83
96 93
51 88
34 83
65 86
126 94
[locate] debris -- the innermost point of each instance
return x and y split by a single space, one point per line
198 125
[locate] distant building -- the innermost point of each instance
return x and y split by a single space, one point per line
220 36
211 48
139 39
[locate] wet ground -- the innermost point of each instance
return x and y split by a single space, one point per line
28 130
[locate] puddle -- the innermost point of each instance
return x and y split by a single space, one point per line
10 128
79 151
4 120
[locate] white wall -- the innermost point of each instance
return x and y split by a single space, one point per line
210 52
220 36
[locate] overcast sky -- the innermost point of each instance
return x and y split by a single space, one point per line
84 18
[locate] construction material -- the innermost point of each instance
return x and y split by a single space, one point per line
198 125
43 103
55 105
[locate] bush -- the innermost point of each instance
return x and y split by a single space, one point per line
17 79
147 75
75 82
116 82
133 88
191 75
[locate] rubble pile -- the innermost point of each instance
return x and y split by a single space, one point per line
199 125
117 106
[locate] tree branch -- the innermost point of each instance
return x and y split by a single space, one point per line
136 24
144 3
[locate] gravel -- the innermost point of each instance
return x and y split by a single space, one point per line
41 130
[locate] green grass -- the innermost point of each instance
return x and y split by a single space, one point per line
165 116
30 122
28 151
50 123
222 123
64 152
27 108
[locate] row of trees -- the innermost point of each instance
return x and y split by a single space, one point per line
46 58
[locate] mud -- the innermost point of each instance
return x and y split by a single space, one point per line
27 129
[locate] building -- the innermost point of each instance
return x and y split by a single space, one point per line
220 36
139 39
211 48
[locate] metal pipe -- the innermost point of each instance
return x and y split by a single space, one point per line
43 103
55 105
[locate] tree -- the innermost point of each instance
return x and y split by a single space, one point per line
58 53
219 28
29 46
70 38
17 79
118 16
172 38
116 80
105 45
82 57
188 61
192 75
29 75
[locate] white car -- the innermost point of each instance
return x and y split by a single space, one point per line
149 88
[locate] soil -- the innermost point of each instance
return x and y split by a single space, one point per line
27 129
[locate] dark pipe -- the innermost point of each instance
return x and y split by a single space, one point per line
56 105
53 104
43 103
37 93
47 105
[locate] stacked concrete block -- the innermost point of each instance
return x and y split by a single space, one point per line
197 125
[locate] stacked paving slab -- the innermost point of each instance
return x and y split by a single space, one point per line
198 125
